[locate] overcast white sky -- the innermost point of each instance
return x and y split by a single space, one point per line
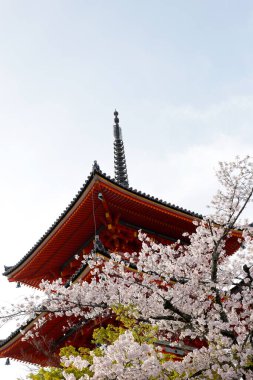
179 72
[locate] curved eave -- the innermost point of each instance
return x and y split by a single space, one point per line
16 348
94 176
11 269
13 340
9 347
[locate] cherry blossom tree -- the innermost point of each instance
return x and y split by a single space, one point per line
193 292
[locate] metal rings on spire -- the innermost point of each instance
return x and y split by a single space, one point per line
120 168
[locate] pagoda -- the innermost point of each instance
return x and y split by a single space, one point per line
106 215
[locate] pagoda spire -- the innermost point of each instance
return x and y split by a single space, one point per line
120 168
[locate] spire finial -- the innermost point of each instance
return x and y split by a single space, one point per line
117 129
116 119
120 168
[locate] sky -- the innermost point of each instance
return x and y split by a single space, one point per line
180 73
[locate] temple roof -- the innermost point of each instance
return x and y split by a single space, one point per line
97 176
